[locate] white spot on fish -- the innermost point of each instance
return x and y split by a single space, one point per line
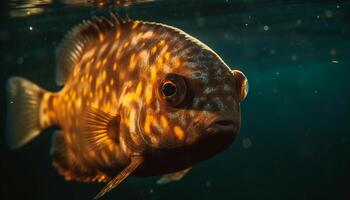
199 75
227 88
209 90
188 51
207 107
234 106
196 102
220 104
172 115
182 120
218 73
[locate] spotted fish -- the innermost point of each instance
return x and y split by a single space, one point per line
138 98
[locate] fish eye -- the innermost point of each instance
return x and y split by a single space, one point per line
172 90
169 89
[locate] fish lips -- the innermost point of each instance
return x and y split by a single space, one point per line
222 125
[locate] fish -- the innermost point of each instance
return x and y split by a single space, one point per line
137 99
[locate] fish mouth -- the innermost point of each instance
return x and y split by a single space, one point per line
222 125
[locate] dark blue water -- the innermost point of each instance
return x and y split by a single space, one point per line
294 141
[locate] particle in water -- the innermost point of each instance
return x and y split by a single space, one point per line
246 24
344 139
333 52
208 183
318 17
301 82
294 57
30 28
228 35
277 73
272 51
266 28
200 21
316 92
4 35
20 60
329 13
335 61
299 22
247 143
338 6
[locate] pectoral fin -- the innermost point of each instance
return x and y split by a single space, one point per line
176 176
135 162
100 128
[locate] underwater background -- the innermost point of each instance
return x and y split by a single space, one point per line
294 141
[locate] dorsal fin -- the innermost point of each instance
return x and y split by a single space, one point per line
69 52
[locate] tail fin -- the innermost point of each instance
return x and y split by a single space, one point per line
23 123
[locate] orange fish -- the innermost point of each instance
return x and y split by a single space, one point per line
139 98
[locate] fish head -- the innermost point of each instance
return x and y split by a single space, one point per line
192 96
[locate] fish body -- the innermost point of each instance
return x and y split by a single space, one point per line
138 98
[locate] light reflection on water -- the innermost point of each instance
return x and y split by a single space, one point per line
25 8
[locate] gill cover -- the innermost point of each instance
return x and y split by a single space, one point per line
242 85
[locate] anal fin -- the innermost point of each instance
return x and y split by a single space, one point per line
63 157
176 176
68 163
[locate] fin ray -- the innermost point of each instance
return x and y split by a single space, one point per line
70 165
135 162
100 128
71 49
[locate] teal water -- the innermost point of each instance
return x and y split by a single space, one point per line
294 141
